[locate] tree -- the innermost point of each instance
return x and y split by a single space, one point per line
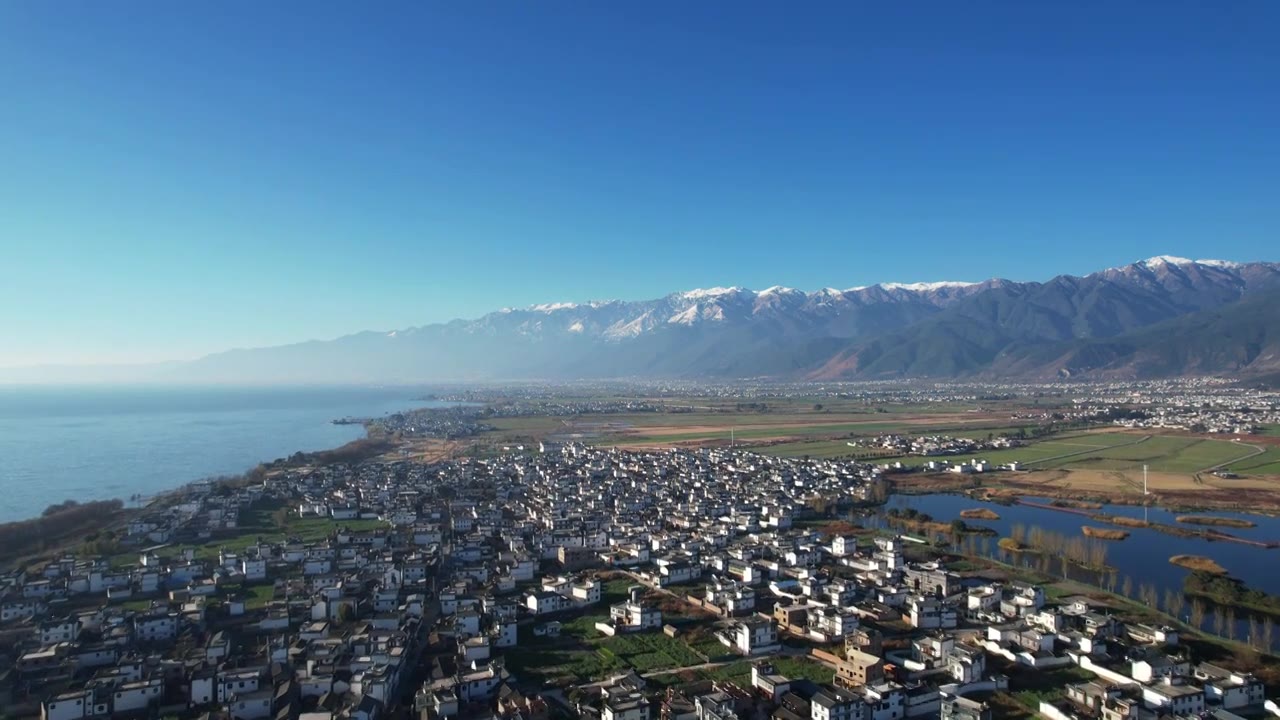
817 407
346 614
1197 613
1174 603
1126 588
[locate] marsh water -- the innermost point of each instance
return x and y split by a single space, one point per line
1143 556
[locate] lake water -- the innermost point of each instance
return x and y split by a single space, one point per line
95 443
1144 556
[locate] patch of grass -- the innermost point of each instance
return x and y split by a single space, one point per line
739 672
650 651
1162 453
1268 463
1037 452
259 596
583 627
576 665
797 668
1031 687
615 590
709 646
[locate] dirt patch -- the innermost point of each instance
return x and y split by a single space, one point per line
980 514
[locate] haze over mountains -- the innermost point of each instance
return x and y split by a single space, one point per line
1164 316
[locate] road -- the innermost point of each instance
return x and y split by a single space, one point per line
1256 452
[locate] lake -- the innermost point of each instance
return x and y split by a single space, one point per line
1144 556
91 443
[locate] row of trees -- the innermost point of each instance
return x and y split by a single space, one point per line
1088 552
1255 630
1223 619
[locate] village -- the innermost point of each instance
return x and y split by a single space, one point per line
566 581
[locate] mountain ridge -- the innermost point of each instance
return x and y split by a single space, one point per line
887 330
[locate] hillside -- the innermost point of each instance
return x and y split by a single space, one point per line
1065 326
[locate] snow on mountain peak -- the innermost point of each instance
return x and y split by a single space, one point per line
703 293
1166 260
1172 260
552 307
777 290
1219 263
926 286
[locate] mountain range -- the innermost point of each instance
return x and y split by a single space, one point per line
1160 317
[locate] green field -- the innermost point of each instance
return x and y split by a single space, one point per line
582 654
1160 454
259 596
1268 463
850 429
1043 450
794 668
650 651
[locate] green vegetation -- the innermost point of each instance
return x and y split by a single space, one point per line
1161 453
709 647
1031 687
1229 592
650 651
1268 463
1055 447
582 654
796 668
566 664
259 596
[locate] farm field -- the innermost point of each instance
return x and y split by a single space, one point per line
796 668
1052 448
1161 453
786 430
1268 463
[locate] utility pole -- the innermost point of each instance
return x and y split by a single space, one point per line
1146 507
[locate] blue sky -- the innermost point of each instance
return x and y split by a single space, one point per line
179 179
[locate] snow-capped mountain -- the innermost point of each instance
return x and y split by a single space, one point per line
891 329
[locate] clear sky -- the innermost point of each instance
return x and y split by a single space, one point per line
178 178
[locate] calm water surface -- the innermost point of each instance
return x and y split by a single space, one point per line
1144 556
96 443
